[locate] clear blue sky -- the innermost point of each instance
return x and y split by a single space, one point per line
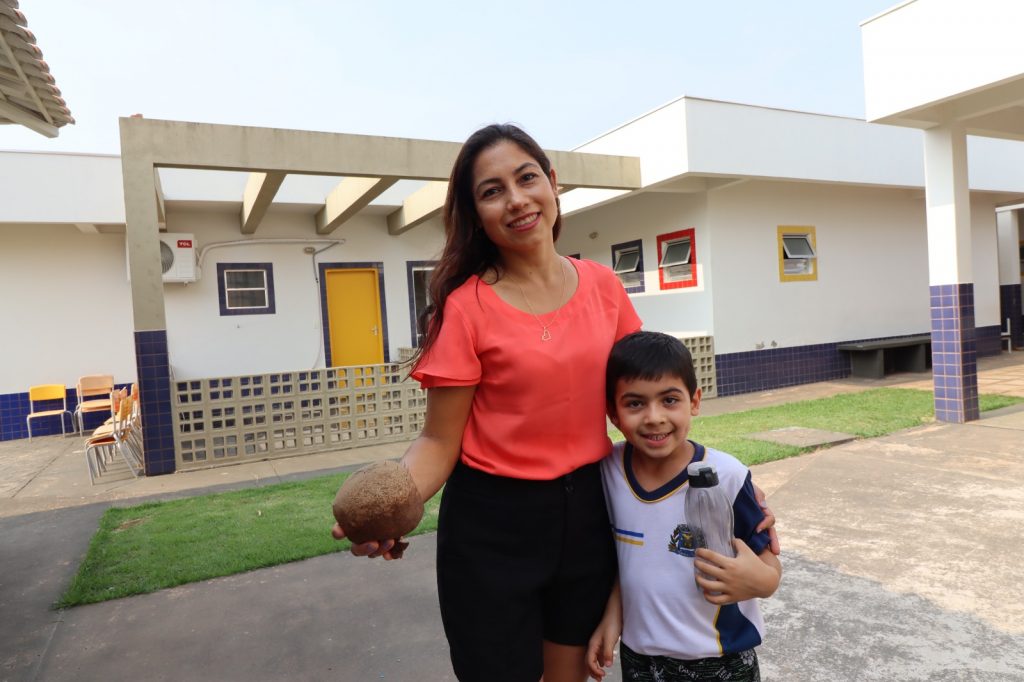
566 71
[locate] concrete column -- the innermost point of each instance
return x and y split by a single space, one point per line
1008 230
951 280
151 353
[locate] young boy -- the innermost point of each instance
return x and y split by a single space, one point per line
672 629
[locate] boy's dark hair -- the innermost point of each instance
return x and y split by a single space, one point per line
649 356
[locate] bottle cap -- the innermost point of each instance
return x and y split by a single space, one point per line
702 475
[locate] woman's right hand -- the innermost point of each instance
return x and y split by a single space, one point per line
389 549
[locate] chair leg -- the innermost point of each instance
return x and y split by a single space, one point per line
122 446
88 463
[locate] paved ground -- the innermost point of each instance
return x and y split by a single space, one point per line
901 554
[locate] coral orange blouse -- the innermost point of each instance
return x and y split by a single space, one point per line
539 407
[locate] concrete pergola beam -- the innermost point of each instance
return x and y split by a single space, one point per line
418 208
349 197
260 190
176 144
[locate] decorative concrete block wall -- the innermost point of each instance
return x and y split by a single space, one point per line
702 349
232 419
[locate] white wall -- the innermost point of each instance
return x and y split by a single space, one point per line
657 137
61 188
645 216
65 306
733 139
985 261
908 60
202 343
872 265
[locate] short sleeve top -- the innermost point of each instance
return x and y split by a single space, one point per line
539 407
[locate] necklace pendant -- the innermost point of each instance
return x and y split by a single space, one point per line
546 336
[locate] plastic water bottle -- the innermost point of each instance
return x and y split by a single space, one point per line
708 511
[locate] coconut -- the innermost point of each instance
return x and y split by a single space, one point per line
379 502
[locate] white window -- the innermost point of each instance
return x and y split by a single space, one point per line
626 261
628 265
675 261
799 254
245 290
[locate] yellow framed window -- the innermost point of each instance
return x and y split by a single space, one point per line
798 253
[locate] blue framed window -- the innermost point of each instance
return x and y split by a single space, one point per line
628 265
246 288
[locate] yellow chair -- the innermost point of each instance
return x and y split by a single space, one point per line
93 396
48 392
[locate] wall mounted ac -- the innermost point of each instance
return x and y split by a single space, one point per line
177 257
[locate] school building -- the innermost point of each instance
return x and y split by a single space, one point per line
261 285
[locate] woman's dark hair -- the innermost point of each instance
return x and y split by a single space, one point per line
649 356
468 250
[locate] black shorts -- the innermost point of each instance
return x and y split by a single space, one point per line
520 562
741 666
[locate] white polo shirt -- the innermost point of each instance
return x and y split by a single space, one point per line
664 612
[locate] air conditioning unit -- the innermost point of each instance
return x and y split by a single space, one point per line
178 256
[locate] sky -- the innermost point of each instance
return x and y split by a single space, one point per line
565 71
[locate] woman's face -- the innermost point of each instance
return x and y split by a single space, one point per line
514 200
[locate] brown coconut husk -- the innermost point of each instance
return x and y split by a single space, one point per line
379 502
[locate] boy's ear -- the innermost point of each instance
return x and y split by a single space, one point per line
695 403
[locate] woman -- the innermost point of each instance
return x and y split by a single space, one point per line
514 360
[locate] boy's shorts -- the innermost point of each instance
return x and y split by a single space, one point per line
738 667
520 562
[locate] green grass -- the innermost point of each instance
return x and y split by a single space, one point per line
868 414
162 544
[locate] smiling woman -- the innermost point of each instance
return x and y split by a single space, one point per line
513 358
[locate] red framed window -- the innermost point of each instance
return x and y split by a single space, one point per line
677 259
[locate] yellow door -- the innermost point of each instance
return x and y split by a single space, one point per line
353 314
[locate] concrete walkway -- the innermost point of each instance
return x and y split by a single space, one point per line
902 562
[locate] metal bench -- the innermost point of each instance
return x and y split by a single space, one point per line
875 359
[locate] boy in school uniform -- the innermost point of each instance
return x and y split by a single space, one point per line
673 627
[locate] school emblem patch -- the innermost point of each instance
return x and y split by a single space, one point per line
683 541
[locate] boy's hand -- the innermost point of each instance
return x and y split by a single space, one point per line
737 579
601 649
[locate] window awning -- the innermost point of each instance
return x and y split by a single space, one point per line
29 95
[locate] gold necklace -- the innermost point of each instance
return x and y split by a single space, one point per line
545 331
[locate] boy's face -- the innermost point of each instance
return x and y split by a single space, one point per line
655 415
